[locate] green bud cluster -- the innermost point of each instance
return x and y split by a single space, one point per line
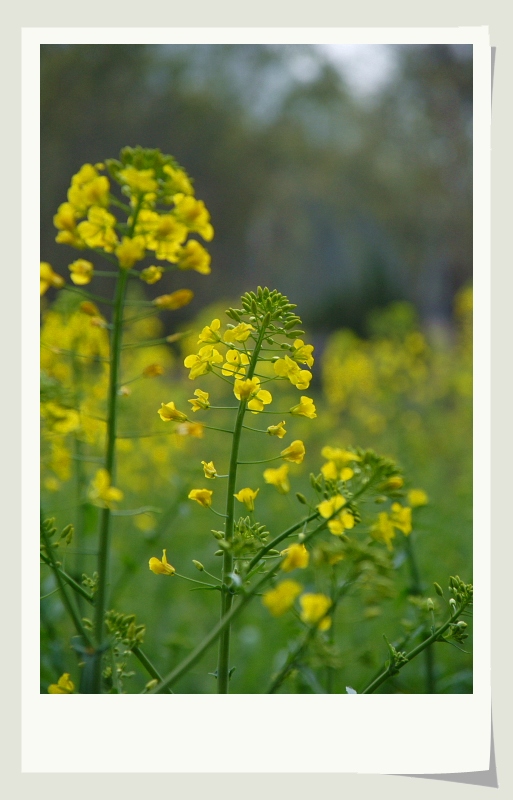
274 309
124 628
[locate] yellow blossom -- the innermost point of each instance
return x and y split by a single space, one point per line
287 368
66 218
295 452
238 334
139 181
235 363
277 430
280 599
201 401
314 608
343 522
303 352
401 518
278 478
98 229
151 274
332 473
417 497
47 278
58 418
247 496
153 371
102 493
81 272
194 256
162 233
383 530
195 429
201 363
194 215
88 189
209 469
63 686
209 334
161 567
175 300
296 557
250 388
178 181
201 496
336 468
329 507
167 413
130 250
305 408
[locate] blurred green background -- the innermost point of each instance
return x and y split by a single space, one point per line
341 177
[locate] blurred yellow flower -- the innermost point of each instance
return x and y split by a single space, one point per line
314 608
167 413
161 567
305 408
417 497
194 256
247 496
401 518
278 478
201 400
102 493
295 452
47 278
139 181
296 557
63 686
277 430
201 496
195 429
194 215
151 274
281 598
383 530
153 371
178 180
175 300
130 250
81 272
329 507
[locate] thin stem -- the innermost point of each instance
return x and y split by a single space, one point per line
416 589
193 580
263 461
88 295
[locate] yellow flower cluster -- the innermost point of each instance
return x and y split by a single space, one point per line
384 528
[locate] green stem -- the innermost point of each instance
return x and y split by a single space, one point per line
416 589
105 519
223 666
277 539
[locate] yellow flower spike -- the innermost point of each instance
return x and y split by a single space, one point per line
81 272
209 333
195 429
303 352
209 469
278 478
151 274
194 256
63 686
201 496
153 371
277 430
247 496
161 567
175 300
296 557
329 507
102 493
295 452
383 530
167 413
305 408
417 497
280 599
235 363
240 333
201 363
201 401
313 608
130 250
401 518
47 278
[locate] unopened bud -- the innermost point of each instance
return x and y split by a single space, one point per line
199 566
218 534
430 605
301 498
151 685
219 553
438 589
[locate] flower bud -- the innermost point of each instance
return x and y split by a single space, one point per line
438 589
199 566
301 498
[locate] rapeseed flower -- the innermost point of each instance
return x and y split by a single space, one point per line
195 429
151 274
305 408
314 608
287 368
303 352
167 413
47 278
296 557
209 334
81 272
277 430
250 389
88 189
281 598
209 469
201 363
201 496
247 496
401 518
336 467
98 229
278 478
129 251
417 497
383 530
102 493
295 452
201 401
63 686
235 363
175 300
194 256
139 181
238 334
161 566
194 215
178 181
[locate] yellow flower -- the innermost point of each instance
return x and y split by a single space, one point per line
200 401
343 522
295 452
102 493
247 496
151 274
401 518
194 256
66 218
161 567
81 272
417 497
190 429
58 418
201 496
209 333
47 278
329 507
383 530
175 300
296 557
209 469
63 686
303 352
278 478
314 608
250 388
168 412
332 473
130 251
277 430
280 599
88 189
162 233
305 408
336 468
201 363
340 523
98 229
239 334
139 181
178 180
235 363
194 215
287 368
